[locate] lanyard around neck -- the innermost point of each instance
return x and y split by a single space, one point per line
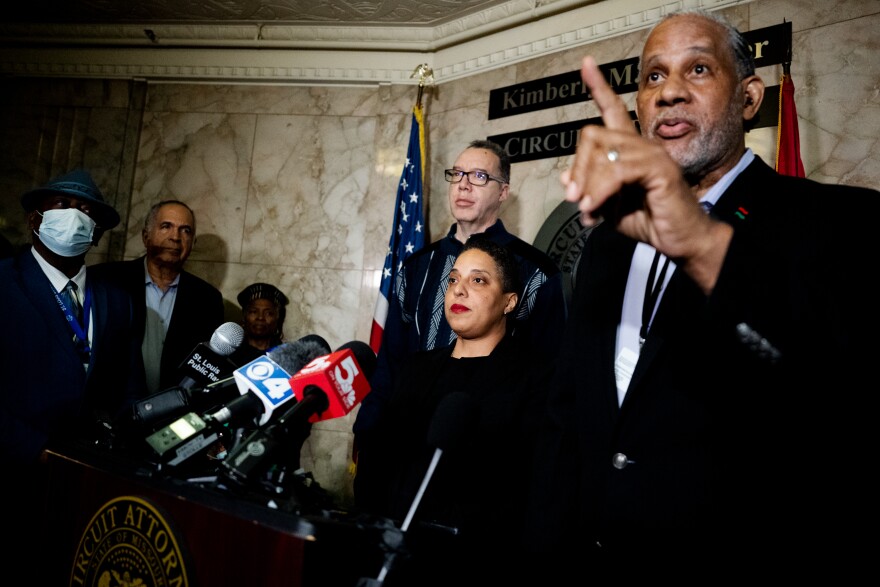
79 330
653 287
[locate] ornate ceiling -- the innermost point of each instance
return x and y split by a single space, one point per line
301 12
310 42
329 24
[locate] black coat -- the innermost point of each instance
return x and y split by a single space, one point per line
469 521
742 404
46 393
198 311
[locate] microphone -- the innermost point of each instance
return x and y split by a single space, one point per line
328 387
343 377
262 384
451 425
173 402
208 362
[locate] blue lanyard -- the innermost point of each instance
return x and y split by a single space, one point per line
79 330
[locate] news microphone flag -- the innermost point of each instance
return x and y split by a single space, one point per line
408 230
788 142
267 381
339 376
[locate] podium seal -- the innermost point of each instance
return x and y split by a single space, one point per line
129 541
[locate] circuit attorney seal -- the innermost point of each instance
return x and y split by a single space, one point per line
562 237
129 542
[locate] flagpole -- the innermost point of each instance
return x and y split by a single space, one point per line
786 64
408 231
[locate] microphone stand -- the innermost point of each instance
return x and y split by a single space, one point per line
395 550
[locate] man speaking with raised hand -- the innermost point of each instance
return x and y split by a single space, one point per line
709 383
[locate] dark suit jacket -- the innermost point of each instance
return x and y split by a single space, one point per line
46 393
198 311
742 404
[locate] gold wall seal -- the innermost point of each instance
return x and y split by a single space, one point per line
129 542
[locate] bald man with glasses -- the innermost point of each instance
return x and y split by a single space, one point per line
479 182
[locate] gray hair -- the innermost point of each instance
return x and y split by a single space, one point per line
150 220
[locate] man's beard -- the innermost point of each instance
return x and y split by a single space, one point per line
710 147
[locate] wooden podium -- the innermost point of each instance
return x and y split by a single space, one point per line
107 521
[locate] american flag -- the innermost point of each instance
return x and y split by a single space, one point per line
408 230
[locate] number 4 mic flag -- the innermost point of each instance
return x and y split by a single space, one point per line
788 142
408 232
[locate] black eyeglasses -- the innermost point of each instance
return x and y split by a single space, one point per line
477 177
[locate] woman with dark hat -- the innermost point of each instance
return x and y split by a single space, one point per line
263 308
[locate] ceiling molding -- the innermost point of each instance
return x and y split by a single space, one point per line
415 30
249 54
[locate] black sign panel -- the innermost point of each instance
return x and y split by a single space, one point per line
556 140
560 140
559 90
768 113
770 45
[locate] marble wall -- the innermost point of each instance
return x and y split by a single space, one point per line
295 185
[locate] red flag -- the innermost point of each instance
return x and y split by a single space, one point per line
788 142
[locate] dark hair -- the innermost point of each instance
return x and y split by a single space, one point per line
736 42
505 262
503 157
150 220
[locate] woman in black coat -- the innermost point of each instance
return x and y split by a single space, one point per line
466 528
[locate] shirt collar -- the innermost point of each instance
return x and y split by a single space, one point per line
497 228
714 192
57 277
149 280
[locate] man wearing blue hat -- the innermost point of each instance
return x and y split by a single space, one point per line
68 356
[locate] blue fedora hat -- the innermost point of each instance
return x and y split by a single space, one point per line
79 184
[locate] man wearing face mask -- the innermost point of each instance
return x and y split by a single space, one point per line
68 358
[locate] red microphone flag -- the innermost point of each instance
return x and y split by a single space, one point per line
339 376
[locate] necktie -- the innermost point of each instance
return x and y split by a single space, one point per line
655 284
652 294
71 301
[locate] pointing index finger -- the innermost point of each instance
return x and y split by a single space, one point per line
613 110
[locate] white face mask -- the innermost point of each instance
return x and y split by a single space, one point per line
66 232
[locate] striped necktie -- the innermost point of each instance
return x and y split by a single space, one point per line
71 301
